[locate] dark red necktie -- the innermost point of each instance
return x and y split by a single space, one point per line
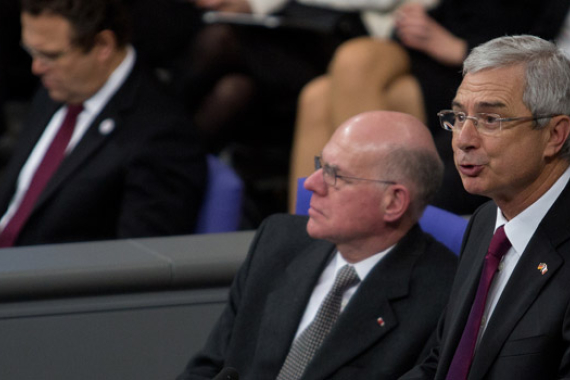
459 368
50 162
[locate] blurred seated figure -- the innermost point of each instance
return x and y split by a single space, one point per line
235 71
241 81
416 72
235 76
103 153
337 295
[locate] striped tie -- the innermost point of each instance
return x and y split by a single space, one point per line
304 347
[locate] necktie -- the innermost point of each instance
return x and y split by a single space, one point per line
50 162
304 347
459 368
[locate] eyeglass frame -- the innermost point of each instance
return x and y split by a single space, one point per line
330 171
48 59
476 119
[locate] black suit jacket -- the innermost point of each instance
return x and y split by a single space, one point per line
143 178
407 289
528 335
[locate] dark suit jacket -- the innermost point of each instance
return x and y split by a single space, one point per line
407 289
144 178
528 335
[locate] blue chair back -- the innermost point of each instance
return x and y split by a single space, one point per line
222 205
446 227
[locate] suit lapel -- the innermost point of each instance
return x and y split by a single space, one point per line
94 137
522 289
358 327
31 133
471 264
526 282
286 304
89 144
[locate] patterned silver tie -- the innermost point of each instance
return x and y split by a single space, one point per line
304 347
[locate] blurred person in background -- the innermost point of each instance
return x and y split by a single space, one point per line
103 153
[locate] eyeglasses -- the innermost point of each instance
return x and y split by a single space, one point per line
48 59
486 123
330 175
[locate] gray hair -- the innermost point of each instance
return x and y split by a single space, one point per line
421 168
547 73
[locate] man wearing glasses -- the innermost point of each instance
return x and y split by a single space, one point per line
103 153
284 321
508 315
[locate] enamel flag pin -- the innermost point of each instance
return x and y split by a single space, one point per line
543 268
106 126
381 322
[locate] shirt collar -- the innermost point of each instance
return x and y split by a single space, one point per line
362 267
521 228
96 103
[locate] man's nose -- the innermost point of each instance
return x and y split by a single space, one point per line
468 137
39 67
315 182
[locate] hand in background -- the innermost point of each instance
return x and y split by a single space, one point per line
417 30
235 6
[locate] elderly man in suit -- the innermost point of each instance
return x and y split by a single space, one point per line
104 154
508 315
371 184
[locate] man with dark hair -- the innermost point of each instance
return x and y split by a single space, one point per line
104 154
355 290
508 314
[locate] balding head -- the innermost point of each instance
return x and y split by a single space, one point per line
377 130
401 149
379 170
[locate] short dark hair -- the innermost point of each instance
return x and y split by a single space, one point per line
87 18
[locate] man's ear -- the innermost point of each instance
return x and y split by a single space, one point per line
396 202
558 135
105 44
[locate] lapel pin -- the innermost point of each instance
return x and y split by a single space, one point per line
381 322
106 126
543 268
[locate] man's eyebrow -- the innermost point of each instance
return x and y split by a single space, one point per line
456 104
332 166
497 104
30 49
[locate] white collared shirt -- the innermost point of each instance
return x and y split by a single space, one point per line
91 108
326 281
519 230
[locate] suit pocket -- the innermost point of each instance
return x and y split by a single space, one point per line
526 346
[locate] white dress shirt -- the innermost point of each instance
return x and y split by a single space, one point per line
326 281
91 108
519 230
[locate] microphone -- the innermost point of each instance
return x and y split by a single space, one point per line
227 373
